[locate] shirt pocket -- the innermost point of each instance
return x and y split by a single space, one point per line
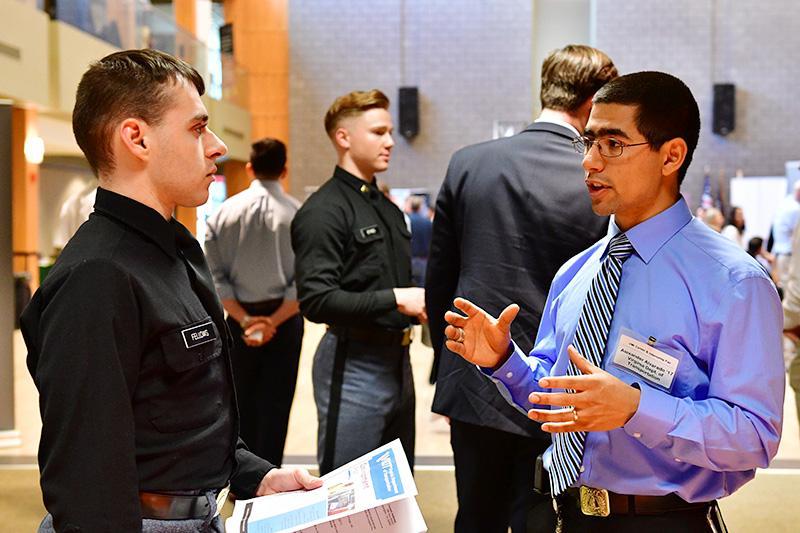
192 380
369 241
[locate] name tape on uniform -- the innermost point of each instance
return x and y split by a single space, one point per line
369 231
197 335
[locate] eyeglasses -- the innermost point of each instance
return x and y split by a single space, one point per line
608 146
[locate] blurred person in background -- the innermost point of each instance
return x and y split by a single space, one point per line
735 226
713 218
783 228
249 251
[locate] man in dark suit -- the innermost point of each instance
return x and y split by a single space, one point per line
510 212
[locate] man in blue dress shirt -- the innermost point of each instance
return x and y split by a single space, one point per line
684 399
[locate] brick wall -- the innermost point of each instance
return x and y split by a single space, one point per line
471 60
751 44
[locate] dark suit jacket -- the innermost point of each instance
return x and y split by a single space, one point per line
510 212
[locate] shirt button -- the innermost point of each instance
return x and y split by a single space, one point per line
678 460
509 375
582 468
637 435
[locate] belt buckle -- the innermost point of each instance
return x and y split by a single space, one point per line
222 497
408 335
595 502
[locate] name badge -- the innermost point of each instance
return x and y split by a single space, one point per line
369 231
197 335
645 361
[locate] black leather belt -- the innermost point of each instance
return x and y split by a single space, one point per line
265 308
165 506
388 337
600 502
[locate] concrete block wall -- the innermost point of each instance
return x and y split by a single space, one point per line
746 42
470 59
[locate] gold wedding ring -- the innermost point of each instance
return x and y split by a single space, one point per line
574 415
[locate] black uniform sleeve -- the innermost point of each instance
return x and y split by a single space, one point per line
250 470
444 265
84 341
319 235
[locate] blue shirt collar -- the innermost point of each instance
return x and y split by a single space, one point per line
649 236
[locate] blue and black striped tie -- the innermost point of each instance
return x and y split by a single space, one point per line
590 341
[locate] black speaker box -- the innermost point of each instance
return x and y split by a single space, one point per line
408 106
724 116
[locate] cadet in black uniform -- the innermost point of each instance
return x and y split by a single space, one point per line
126 338
353 268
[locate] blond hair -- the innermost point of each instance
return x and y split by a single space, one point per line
353 104
572 74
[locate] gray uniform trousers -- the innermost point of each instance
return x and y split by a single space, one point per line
210 524
365 398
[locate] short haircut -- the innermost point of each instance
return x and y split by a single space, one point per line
131 83
268 158
572 74
754 245
665 109
351 105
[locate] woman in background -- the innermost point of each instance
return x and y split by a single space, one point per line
734 226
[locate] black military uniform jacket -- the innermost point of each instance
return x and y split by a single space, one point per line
352 247
128 348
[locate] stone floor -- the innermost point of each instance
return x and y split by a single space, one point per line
767 503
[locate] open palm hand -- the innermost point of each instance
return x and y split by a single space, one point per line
477 336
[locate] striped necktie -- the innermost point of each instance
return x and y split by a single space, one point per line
590 341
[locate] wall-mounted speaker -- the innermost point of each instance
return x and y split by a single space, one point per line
408 106
724 115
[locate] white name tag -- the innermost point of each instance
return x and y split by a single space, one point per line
645 361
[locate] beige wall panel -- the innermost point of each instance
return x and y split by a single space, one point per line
57 135
24 53
232 124
72 50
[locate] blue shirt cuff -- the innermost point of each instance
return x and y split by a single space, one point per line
655 417
514 380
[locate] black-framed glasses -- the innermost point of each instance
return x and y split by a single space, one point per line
608 146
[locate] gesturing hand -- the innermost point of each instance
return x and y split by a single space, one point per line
601 402
478 337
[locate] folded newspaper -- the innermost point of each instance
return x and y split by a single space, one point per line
375 492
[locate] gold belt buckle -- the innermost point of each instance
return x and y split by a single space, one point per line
595 502
222 497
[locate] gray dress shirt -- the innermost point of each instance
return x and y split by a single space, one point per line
249 247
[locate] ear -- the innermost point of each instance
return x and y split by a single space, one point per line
248 168
341 138
133 134
673 155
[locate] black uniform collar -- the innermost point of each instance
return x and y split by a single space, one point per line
140 217
355 182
